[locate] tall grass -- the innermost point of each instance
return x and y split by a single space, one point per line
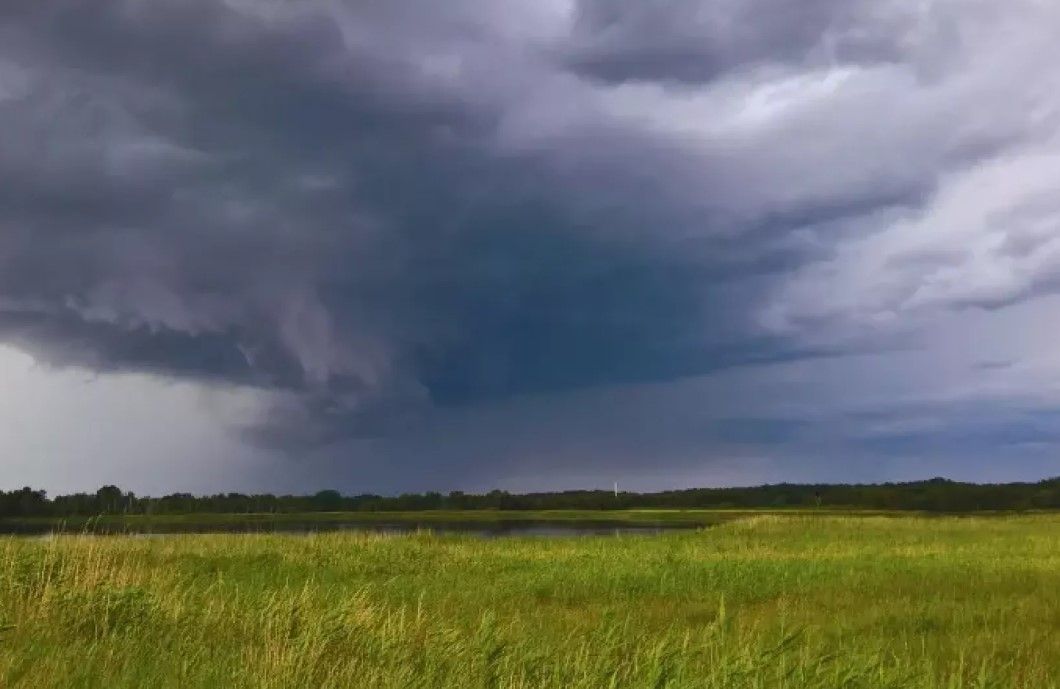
782 601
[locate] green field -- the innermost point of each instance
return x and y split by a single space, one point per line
767 601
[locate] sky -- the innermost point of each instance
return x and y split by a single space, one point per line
266 245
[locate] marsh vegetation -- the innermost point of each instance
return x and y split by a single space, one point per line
791 601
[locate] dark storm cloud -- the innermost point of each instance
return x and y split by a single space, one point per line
68 339
275 197
370 210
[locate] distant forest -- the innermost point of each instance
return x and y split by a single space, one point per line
936 495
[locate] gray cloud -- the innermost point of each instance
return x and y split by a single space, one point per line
695 41
369 212
269 196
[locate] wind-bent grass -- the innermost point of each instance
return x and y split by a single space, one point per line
776 601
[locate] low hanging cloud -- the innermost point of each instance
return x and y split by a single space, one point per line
370 210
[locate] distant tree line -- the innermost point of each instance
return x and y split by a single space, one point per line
937 495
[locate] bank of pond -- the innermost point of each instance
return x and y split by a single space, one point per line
485 523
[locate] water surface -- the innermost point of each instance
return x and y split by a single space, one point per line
484 529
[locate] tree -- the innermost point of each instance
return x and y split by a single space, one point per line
327 500
109 499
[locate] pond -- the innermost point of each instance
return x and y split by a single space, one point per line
484 529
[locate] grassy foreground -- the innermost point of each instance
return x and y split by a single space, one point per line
770 601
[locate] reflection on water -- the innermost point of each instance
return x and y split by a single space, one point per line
490 529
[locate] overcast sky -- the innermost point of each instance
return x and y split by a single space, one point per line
384 246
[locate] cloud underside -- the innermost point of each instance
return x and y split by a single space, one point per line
368 211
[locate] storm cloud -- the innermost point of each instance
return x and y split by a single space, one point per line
393 222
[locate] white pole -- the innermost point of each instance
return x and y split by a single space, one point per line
616 489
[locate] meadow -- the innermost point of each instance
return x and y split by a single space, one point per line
776 601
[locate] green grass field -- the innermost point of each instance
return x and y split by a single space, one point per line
768 601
